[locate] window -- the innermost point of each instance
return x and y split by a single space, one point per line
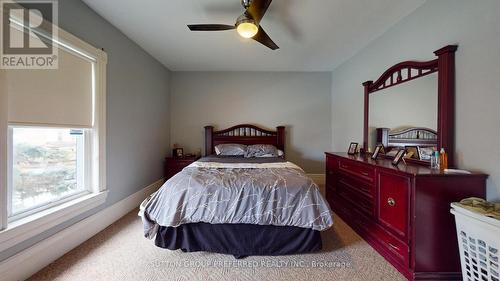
47 167
52 141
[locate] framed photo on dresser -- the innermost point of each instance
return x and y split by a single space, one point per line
353 148
398 157
377 151
412 152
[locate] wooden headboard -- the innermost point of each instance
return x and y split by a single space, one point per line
414 136
243 134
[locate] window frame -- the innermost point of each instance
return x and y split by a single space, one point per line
3 149
12 233
87 169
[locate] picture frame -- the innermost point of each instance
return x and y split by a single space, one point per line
178 152
413 152
353 148
398 157
425 152
377 151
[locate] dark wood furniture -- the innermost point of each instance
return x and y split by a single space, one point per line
173 165
244 134
406 71
403 211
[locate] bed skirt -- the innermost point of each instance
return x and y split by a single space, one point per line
239 240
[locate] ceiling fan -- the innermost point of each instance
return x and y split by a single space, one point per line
247 25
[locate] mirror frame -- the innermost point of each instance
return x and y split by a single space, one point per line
444 65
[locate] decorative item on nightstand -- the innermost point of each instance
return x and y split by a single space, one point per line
177 152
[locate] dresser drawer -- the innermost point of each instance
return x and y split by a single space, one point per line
393 204
175 168
329 176
357 170
180 162
331 163
353 197
357 186
398 249
330 195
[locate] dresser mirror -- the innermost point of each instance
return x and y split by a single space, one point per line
405 116
411 105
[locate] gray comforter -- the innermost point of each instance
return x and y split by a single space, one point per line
264 191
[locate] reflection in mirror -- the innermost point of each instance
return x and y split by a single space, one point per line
405 115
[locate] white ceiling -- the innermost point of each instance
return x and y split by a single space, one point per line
313 35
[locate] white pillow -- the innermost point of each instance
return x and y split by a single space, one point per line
280 153
230 149
261 150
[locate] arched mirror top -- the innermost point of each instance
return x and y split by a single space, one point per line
423 100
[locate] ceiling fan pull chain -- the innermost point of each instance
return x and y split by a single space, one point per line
246 3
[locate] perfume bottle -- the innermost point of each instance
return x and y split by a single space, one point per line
435 160
443 159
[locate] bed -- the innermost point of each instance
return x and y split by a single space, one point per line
425 140
236 205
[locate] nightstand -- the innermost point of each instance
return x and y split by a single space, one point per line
173 165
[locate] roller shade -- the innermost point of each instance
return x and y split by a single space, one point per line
60 97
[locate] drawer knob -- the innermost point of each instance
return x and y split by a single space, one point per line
391 201
365 174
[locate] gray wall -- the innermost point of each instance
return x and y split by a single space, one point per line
300 101
137 109
474 26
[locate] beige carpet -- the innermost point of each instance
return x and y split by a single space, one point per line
120 252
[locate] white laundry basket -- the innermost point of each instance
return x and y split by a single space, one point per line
479 244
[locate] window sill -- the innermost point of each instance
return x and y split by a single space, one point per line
28 227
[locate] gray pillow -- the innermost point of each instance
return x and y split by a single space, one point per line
230 149
261 150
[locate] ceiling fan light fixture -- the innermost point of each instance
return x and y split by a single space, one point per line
247 28
247 24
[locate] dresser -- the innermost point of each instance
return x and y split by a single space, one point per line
402 211
173 165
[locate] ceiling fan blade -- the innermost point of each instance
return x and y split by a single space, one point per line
210 27
264 39
258 8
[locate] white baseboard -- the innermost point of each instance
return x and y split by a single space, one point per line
319 179
26 263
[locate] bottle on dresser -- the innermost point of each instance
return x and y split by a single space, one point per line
435 160
443 159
